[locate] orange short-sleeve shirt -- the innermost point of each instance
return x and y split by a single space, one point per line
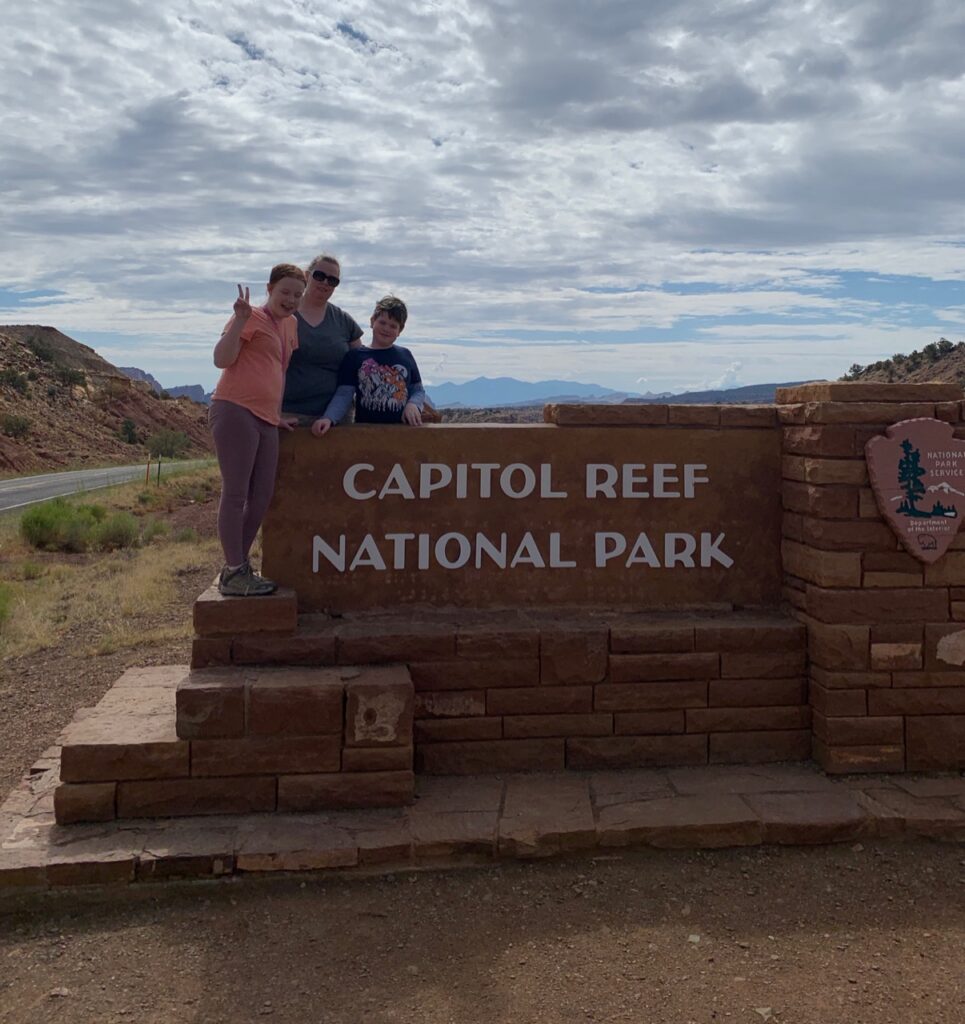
256 379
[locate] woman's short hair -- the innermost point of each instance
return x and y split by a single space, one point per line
393 307
286 270
324 257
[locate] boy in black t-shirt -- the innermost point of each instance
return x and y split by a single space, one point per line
383 379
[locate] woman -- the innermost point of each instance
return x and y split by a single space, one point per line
325 334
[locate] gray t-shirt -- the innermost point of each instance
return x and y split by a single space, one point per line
313 371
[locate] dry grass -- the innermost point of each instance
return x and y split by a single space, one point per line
106 602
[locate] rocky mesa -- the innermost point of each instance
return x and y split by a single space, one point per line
62 405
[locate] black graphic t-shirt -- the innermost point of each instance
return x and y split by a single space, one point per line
384 379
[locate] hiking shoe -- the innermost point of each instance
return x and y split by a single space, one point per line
244 582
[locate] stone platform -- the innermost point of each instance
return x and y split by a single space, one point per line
480 819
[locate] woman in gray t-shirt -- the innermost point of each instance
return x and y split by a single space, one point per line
325 334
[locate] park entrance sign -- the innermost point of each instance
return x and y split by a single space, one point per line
506 516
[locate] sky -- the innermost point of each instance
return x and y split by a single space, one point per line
652 196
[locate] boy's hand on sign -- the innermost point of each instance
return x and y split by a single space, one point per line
242 306
412 415
321 426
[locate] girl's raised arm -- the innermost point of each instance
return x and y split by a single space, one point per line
229 344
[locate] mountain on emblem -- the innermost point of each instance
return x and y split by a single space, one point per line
909 468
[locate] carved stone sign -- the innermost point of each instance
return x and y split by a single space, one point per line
917 473
508 516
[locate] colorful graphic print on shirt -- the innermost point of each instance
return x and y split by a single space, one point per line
383 388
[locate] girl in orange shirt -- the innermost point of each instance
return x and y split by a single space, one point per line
253 353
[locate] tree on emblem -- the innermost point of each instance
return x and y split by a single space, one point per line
910 472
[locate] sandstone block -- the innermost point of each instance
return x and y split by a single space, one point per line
948 571
651 638
647 723
827 568
303 648
110 748
861 391
541 700
861 731
726 693
635 752
295 702
526 726
167 798
379 708
887 657
442 730
859 759
211 704
804 818
856 535
820 440
84 801
358 645
681 822
822 502
570 657
944 646
867 412
891 562
693 415
215 615
936 743
746 719
899 605
475 675
739 634
650 696
761 664
265 755
838 647
748 416
450 703
345 789
631 668
491 756
542 817
760 747
945 700
835 471
207 651
849 680
792 526
607 415
910 680
377 759
838 702
477 642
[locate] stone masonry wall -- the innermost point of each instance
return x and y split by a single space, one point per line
886 633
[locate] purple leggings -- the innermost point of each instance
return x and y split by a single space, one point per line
247 450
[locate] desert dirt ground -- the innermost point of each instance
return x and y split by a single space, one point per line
855 934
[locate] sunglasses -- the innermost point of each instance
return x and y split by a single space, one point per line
320 275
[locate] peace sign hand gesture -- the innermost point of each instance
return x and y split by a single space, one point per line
242 306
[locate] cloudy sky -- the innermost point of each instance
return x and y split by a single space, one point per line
647 195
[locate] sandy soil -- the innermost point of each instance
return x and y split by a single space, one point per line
837 935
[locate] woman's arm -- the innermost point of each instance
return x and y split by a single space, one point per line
229 344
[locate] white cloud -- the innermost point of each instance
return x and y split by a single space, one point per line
543 180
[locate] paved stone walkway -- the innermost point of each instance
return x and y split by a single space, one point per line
482 819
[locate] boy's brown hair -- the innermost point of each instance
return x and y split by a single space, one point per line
393 307
286 270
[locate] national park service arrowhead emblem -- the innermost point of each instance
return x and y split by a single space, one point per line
917 474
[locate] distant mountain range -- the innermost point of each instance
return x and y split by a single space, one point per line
508 392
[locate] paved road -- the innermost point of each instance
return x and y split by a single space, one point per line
28 490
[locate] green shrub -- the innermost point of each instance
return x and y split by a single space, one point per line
6 602
167 442
128 431
15 426
12 379
116 531
32 570
68 376
59 526
40 349
186 536
154 528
